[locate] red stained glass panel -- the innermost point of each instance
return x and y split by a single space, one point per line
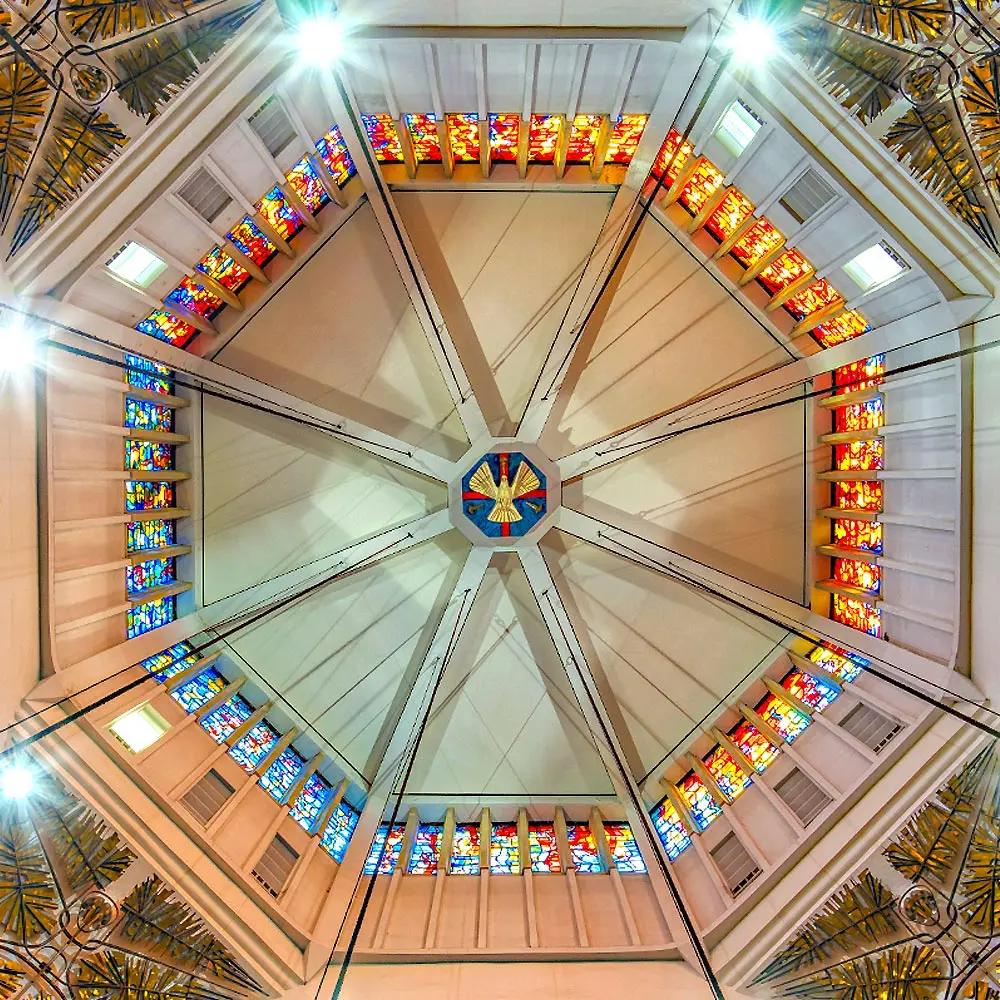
819 295
463 135
333 152
755 746
250 240
583 138
859 456
705 180
672 157
626 131
424 137
279 215
857 614
840 329
866 416
543 138
783 270
504 133
851 534
220 266
382 135
734 209
860 495
860 375
867 576
757 242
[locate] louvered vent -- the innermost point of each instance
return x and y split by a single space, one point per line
806 196
275 865
204 194
870 727
208 796
273 126
738 869
802 796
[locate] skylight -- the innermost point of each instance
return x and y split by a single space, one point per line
140 728
136 264
874 266
737 127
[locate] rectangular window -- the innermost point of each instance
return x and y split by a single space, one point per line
673 836
807 196
153 614
878 265
139 728
223 721
204 194
251 748
625 854
735 865
463 134
543 848
339 829
465 850
282 773
870 726
311 801
505 850
426 850
136 264
272 125
275 865
583 848
393 840
737 127
208 795
802 796
704 809
196 691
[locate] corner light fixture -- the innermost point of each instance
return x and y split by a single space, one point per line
16 781
17 344
753 41
319 40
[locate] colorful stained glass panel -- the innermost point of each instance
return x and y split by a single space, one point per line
223 721
703 807
859 456
624 850
382 135
543 849
672 157
148 496
819 295
868 415
865 575
626 131
393 844
843 665
426 850
148 456
505 851
860 375
306 183
252 747
144 374
729 775
862 494
311 801
670 829
142 535
463 135
465 850
840 329
338 832
150 615
786 721
756 243
504 132
279 215
149 574
704 181
198 690
857 614
734 209
167 327
171 661
543 138
583 138
852 534
583 848
220 266
787 267
249 240
146 416
195 298
812 691
754 745
281 774
424 138
333 152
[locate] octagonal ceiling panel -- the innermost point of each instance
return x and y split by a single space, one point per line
504 266
342 333
278 495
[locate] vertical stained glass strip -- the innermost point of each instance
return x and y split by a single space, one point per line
624 850
543 849
196 691
463 135
148 375
249 240
306 183
670 828
426 850
150 615
583 848
142 535
333 152
787 267
852 534
465 850
279 215
867 576
223 721
840 329
195 298
424 138
149 574
148 456
756 243
734 209
859 456
220 266
860 495
252 747
281 775
626 131
505 850
819 295
703 807
729 775
543 138
860 375
393 844
171 661
857 614
148 496
167 327
786 721
865 416
504 132
813 691
382 135
704 181
338 832
583 138
311 801
672 157
146 416
844 666
754 745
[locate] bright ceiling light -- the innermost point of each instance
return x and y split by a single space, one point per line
17 345
753 42
320 40
16 781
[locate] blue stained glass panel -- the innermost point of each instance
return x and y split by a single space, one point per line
149 574
624 850
281 775
145 374
227 718
193 693
309 803
465 850
505 849
426 850
171 661
338 832
143 415
392 849
155 534
145 617
149 456
251 748
670 828
333 152
148 496
583 848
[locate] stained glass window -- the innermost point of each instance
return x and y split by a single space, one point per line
281 775
672 157
583 138
700 802
505 851
852 534
463 134
148 496
311 801
465 850
148 416
171 661
757 242
142 535
252 747
624 850
195 298
424 138
198 690
729 775
734 209
705 180
787 267
167 327
150 615
279 215
860 495
813 691
392 849
859 456
857 614
626 131
842 328
843 665
673 836
333 152
504 132
786 721
382 135
868 415
819 295
426 850
223 269
249 240
583 848
145 374
543 138
223 721
306 183
543 848
860 375
148 574
148 456
754 745
339 829
867 576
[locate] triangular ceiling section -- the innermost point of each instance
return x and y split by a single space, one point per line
340 659
505 721
342 333
504 266
671 332
278 495
672 657
731 495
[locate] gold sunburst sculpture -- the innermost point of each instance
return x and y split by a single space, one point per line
504 493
